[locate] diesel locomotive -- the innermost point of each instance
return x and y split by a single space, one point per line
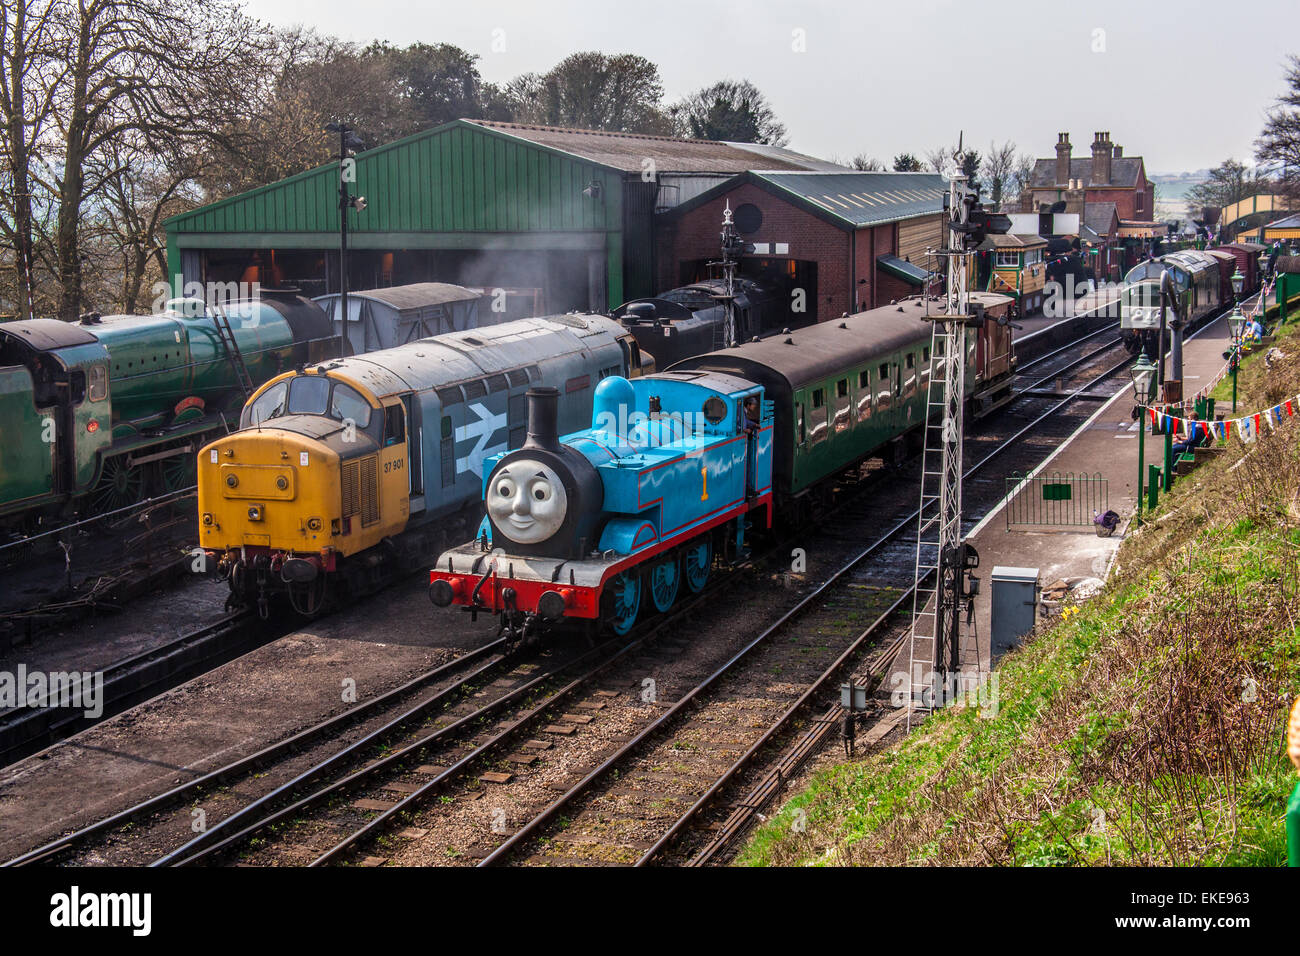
684 466
345 470
98 414
1197 291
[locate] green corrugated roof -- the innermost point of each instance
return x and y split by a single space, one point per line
458 177
850 200
865 198
902 269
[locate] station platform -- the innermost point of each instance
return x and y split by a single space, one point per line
1105 447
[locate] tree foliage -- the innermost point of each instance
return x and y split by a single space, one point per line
730 110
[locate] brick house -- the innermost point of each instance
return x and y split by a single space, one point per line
849 240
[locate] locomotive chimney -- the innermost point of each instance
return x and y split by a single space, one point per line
543 409
1062 158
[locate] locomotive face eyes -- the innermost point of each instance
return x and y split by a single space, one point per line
527 501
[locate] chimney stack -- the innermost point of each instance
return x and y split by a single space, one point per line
1062 158
1101 156
1118 152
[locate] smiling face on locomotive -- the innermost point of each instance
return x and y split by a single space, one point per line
527 501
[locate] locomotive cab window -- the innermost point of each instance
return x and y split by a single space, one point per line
347 404
394 425
270 404
98 383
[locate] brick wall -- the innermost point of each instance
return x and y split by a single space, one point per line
696 234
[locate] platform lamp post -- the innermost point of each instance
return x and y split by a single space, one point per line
1235 323
1143 374
349 143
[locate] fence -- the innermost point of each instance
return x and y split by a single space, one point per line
1056 500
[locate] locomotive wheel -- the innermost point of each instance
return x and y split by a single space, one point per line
179 471
698 559
626 592
665 577
119 485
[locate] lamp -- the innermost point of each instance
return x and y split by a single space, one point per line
1238 282
1144 382
1236 322
1143 373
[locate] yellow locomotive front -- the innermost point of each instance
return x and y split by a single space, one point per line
284 501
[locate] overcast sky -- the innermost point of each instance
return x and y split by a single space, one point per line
883 77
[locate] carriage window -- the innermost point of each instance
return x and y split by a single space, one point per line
864 379
98 383
911 360
884 371
925 354
842 388
803 432
394 425
819 397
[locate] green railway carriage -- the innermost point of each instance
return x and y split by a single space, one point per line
845 390
97 414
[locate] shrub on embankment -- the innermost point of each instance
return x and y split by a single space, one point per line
1146 728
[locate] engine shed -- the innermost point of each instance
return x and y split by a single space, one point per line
564 218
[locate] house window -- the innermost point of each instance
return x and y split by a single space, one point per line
1140 200
1008 260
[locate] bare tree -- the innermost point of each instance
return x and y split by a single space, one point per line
864 163
165 69
999 167
1279 143
27 67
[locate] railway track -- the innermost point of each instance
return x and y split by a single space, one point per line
26 730
481 752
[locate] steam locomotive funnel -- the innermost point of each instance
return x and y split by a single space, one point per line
543 409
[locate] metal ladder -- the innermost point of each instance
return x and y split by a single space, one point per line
227 336
939 515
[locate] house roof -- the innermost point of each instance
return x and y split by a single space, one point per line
1011 241
629 151
1100 217
1289 222
1124 171
849 199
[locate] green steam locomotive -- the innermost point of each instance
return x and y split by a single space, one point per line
99 414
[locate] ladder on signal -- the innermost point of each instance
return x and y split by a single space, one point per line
938 528
227 336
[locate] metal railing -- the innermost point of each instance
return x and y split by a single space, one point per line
1055 500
